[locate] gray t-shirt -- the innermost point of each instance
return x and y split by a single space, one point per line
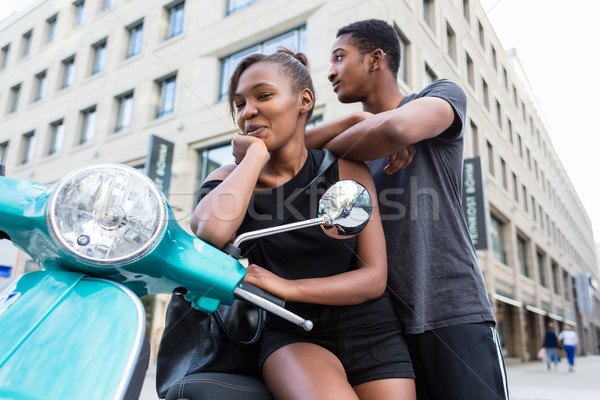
434 277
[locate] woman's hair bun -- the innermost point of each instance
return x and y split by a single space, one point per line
298 56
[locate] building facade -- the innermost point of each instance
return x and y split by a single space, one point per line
92 80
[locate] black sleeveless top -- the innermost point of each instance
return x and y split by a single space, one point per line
307 252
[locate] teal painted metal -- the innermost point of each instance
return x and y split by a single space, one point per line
80 344
180 260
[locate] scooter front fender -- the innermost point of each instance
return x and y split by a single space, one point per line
68 336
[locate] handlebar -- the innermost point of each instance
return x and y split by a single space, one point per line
269 302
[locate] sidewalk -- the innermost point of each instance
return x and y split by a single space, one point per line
526 381
532 380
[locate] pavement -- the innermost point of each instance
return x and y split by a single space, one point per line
526 381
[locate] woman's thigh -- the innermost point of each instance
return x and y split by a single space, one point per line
395 388
306 371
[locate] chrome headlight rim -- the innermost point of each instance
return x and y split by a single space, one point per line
71 178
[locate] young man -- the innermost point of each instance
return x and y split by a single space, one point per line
434 277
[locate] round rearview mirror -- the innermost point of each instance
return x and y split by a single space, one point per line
347 207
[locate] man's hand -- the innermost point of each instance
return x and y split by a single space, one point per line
399 160
241 144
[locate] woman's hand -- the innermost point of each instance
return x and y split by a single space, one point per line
266 280
241 144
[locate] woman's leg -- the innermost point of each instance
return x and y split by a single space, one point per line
382 389
306 371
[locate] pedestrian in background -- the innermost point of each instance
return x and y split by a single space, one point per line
569 342
551 346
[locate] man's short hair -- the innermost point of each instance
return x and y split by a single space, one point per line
372 34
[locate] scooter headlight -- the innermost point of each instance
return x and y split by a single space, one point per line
106 214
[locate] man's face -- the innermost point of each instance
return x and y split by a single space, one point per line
349 72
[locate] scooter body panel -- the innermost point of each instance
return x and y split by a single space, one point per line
68 336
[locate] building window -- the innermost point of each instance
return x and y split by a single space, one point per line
470 71
124 111
522 256
566 286
490 151
466 10
78 11
481 34
515 187
209 159
39 86
55 137
429 76
499 114
99 61
505 78
166 96
88 125
541 268
429 13
520 145
26 44
494 58
135 34
27 142
175 14
51 28
294 40
404 49
3 152
4 56
510 131
497 236
473 138
504 173
13 101
107 4
237 5
486 94
525 204
451 42
528 157
68 72
515 97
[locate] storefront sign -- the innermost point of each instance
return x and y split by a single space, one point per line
473 202
158 162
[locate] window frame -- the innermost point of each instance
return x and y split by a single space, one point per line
87 128
56 135
230 62
100 54
125 106
163 85
175 19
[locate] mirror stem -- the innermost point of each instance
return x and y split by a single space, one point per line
324 220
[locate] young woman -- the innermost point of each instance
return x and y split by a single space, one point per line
355 349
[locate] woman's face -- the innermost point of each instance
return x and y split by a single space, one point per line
266 106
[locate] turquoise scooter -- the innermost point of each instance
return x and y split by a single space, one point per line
103 236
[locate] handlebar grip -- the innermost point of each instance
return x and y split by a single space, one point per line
262 293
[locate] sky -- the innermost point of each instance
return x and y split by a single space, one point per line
556 43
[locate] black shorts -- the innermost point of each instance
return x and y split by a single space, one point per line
365 359
461 362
